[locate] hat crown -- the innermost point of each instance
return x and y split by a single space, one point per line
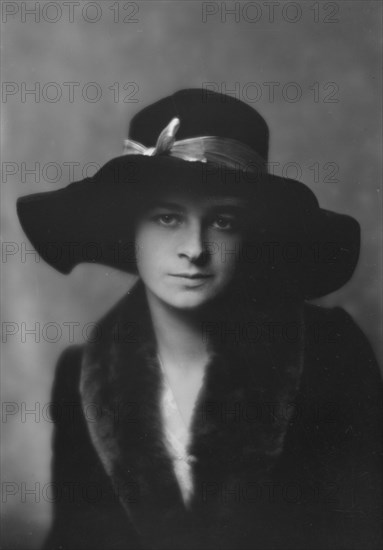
202 113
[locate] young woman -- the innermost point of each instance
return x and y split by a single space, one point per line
213 408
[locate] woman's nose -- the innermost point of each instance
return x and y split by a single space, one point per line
192 245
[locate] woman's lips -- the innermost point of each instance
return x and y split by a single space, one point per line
192 280
190 276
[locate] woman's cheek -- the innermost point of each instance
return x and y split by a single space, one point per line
227 254
145 239
152 255
143 251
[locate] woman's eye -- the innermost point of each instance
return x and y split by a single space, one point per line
168 220
222 222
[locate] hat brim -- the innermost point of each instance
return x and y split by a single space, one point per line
93 221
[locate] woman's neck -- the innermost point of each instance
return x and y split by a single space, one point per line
179 335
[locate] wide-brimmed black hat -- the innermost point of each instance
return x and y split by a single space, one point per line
196 140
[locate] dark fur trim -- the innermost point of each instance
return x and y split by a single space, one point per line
235 432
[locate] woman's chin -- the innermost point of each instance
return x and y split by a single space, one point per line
189 299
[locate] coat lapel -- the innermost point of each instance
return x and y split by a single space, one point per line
237 430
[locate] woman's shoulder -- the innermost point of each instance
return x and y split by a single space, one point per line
69 360
338 350
333 326
67 373
68 366
314 312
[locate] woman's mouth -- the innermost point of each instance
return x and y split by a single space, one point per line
192 280
193 276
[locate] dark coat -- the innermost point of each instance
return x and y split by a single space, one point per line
287 442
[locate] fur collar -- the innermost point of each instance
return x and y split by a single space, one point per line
234 431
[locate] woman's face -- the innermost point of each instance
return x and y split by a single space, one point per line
187 247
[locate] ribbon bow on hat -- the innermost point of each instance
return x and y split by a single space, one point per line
225 151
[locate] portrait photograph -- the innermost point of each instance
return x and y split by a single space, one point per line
191 275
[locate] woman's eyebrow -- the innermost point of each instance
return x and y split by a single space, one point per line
229 208
166 204
221 205
225 202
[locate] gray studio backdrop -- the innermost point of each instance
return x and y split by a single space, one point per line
74 73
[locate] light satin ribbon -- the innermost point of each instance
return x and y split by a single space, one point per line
224 151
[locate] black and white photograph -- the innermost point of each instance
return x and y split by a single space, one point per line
191 275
